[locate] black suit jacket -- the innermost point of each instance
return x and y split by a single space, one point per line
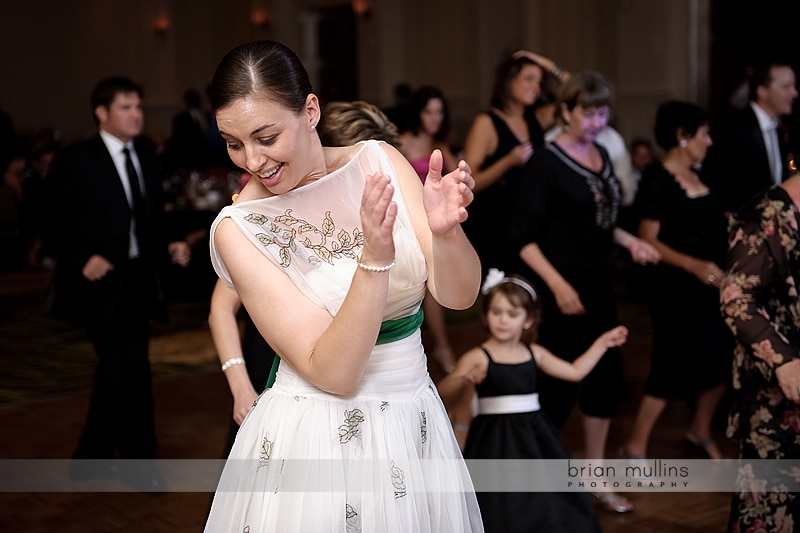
86 212
737 163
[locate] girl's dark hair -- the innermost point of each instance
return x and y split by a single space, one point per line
265 68
420 99
504 73
518 297
675 117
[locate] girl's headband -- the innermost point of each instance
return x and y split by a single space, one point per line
496 277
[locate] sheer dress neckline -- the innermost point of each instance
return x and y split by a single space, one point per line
330 175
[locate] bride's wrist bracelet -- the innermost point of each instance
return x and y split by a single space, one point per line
372 268
232 361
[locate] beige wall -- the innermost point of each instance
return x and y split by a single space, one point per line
55 50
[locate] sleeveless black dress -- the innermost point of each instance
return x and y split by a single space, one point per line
529 435
489 220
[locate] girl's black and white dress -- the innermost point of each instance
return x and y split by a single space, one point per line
510 425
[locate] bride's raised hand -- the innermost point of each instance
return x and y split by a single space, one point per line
378 213
446 197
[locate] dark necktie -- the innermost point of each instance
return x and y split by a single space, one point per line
139 216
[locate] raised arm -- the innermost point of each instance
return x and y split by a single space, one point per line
578 369
437 211
550 66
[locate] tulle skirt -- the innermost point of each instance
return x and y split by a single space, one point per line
382 460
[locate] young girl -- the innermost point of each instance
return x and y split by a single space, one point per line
509 424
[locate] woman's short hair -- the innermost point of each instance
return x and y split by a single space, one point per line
675 117
587 89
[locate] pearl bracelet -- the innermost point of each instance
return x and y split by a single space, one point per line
374 268
230 362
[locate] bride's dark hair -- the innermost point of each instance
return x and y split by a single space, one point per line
265 68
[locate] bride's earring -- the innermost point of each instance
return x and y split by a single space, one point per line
683 143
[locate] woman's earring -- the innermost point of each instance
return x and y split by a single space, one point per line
683 143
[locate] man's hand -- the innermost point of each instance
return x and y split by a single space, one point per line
180 253
96 268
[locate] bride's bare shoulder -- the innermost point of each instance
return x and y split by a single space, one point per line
338 156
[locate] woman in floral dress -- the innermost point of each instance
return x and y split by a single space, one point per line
760 305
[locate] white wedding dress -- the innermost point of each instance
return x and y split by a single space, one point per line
382 460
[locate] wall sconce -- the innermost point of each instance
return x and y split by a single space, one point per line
162 23
260 18
361 8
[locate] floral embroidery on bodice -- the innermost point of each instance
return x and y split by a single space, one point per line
314 234
284 230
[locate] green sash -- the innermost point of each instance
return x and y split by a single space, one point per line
391 330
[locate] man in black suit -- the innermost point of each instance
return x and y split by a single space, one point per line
750 151
102 213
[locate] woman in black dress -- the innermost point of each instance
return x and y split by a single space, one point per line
682 217
565 231
498 144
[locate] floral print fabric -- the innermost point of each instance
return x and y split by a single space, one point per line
760 304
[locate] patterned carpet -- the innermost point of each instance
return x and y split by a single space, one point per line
43 358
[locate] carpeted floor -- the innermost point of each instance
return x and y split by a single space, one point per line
43 357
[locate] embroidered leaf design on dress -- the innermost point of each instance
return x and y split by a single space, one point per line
284 230
352 425
349 512
344 238
266 452
384 405
286 259
286 218
327 225
323 253
255 218
352 520
424 427
398 481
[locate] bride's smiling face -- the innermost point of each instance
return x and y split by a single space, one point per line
271 141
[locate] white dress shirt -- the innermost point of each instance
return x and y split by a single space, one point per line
769 131
115 147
